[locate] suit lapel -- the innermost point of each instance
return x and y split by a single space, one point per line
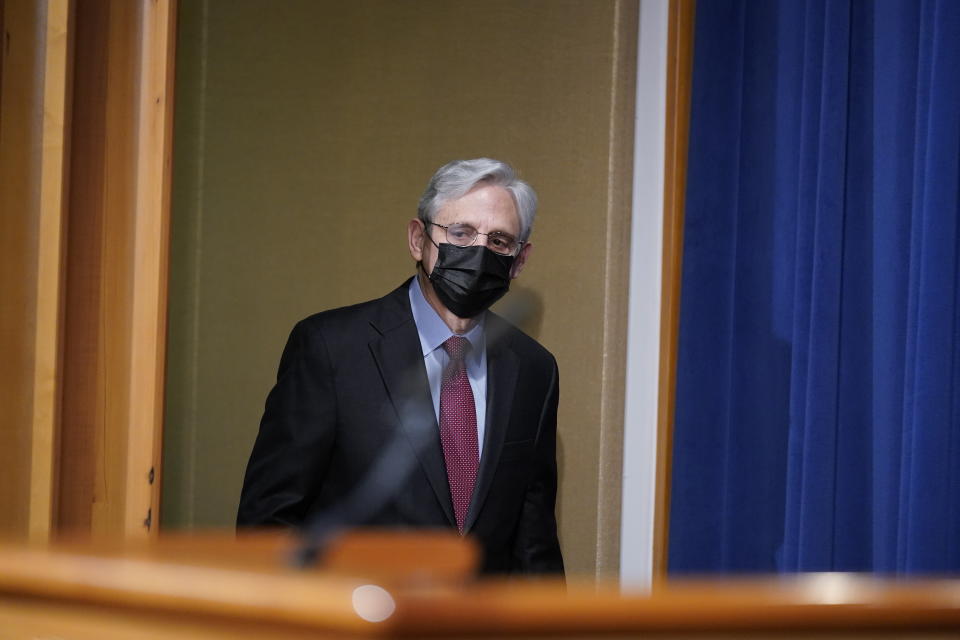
397 353
502 370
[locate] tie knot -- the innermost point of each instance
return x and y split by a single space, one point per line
457 347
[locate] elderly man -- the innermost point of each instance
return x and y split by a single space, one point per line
471 400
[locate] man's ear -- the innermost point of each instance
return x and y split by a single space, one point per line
521 260
415 238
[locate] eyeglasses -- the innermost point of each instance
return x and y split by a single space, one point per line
463 235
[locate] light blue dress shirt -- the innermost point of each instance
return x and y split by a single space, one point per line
433 333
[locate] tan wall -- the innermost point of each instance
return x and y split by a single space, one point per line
304 134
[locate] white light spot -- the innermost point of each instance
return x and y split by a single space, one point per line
831 588
373 603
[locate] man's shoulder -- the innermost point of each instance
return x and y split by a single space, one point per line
391 308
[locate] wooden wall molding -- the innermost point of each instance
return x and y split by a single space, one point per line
150 268
679 70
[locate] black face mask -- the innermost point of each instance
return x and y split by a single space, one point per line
470 279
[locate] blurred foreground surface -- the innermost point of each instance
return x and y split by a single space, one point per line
371 585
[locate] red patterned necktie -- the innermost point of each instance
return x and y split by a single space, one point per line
458 428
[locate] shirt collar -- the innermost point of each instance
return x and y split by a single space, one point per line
433 330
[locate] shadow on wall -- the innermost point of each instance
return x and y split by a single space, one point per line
523 307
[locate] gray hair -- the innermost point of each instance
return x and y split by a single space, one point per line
455 179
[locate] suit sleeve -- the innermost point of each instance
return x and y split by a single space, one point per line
537 549
296 436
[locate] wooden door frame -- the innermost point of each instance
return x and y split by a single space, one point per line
679 81
92 210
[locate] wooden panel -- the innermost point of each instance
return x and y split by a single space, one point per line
66 322
117 257
32 149
53 185
679 69
81 406
151 242
116 283
3 35
20 134
96 358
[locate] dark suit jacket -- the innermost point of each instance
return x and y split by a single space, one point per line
352 381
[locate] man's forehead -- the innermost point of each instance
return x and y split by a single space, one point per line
490 204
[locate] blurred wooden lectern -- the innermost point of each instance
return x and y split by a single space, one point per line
219 586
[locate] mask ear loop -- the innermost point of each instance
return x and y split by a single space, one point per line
430 238
427 233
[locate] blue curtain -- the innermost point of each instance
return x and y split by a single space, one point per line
818 394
